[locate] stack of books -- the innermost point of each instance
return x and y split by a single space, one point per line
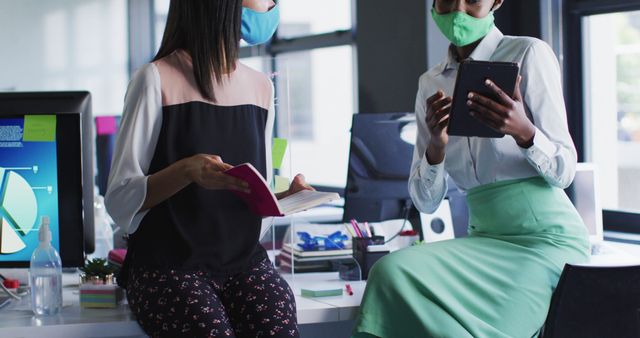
321 260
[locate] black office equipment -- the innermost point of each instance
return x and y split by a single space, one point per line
365 257
471 78
26 118
592 302
379 168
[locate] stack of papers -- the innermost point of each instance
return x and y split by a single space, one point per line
312 261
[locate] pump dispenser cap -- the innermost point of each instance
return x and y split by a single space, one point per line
45 233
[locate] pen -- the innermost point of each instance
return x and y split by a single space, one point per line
368 229
363 231
349 230
355 228
349 289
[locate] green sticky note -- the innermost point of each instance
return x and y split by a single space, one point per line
320 292
39 128
278 150
282 184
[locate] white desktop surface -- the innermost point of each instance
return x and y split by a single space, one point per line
74 321
616 254
77 322
343 307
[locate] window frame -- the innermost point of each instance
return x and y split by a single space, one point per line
574 12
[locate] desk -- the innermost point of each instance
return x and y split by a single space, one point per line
77 322
333 309
616 254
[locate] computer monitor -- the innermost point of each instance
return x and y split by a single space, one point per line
46 171
584 193
379 168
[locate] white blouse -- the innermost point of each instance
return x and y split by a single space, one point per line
473 161
137 139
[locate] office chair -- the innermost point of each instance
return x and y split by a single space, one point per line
595 302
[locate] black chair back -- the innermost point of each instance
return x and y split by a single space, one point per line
595 302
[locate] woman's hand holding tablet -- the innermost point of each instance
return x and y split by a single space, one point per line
471 78
506 115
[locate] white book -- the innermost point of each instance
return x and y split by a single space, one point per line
286 247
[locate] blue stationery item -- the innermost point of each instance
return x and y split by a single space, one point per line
313 243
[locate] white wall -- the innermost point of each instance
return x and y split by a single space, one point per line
66 45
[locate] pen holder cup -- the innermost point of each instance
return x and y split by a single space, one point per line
363 255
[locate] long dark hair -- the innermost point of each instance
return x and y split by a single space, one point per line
209 30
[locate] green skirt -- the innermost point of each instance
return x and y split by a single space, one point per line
497 282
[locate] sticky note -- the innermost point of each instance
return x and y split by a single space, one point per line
277 151
321 292
39 128
106 125
281 184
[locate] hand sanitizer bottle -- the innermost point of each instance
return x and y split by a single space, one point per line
103 229
45 275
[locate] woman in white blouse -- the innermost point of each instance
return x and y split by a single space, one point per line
498 281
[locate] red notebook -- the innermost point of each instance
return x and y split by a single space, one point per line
264 202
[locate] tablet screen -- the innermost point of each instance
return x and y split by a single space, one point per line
471 78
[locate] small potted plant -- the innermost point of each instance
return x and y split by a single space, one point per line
98 271
98 288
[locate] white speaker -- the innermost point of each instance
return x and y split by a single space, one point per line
438 226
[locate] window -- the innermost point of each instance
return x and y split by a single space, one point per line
321 99
612 101
312 63
66 45
302 18
161 9
601 44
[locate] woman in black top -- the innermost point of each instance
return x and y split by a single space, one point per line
194 265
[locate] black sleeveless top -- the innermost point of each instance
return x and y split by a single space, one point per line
210 230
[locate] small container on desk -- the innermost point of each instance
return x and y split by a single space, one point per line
368 250
100 292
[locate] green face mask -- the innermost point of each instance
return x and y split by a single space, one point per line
461 28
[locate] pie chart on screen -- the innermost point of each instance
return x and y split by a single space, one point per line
18 211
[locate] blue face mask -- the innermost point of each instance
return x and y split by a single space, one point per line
259 27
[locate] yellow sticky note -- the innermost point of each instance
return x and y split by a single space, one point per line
278 150
39 128
282 184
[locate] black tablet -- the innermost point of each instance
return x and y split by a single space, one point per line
471 78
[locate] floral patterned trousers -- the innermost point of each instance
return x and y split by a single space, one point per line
175 303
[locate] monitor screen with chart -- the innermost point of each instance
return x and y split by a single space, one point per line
40 175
